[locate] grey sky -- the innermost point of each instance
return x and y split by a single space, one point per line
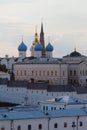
64 21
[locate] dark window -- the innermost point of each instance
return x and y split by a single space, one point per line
43 107
74 72
54 108
80 123
56 73
25 72
29 127
73 125
51 72
55 125
65 124
2 128
47 72
19 128
40 126
46 107
51 108
70 72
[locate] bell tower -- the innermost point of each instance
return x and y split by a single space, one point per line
42 41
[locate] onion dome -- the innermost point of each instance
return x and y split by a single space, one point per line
22 47
49 47
38 47
75 54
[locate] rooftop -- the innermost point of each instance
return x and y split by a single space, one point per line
66 99
26 112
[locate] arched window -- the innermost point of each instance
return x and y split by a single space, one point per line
65 124
55 125
19 127
80 123
40 126
51 73
73 124
29 127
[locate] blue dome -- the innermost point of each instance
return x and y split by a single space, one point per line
38 47
49 47
22 47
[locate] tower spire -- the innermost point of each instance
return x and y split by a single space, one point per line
42 40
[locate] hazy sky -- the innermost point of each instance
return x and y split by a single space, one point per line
65 21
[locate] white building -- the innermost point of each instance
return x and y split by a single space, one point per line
62 102
42 69
32 118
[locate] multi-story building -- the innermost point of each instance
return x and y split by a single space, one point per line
33 118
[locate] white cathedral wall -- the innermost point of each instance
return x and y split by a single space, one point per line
37 54
49 54
22 54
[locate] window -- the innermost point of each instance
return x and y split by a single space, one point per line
17 72
40 126
55 73
29 127
2 128
80 123
51 72
40 73
74 72
51 108
65 124
21 72
55 125
54 108
19 128
47 72
25 72
73 124
70 72
46 107
43 107
43 72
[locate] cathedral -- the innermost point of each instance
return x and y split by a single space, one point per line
38 48
70 69
41 66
